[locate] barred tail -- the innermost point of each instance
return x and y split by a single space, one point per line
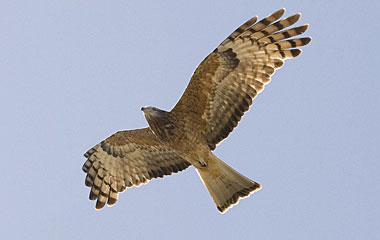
225 185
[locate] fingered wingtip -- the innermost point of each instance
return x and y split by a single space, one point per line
280 12
296 53
99 204
277 14
306 40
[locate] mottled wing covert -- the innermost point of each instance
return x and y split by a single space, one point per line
224 84
126 159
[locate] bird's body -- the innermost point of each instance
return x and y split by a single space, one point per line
187 142
220 91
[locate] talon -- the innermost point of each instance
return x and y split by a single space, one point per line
202 163
199 164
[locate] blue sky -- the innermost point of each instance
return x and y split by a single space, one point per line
74 72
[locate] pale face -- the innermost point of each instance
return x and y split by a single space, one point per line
148 110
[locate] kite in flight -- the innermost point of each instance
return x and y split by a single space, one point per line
220 91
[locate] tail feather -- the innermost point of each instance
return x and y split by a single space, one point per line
225 185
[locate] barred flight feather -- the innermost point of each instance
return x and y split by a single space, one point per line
255 51
126 159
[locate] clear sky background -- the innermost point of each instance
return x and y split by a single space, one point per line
74 72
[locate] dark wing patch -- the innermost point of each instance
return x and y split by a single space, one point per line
126 159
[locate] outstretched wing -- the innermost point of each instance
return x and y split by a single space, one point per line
125 159
224 84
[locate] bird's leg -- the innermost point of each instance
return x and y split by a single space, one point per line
201 162
197 161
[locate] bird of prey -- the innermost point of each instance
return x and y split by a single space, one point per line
220 90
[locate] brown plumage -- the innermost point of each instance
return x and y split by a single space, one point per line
220 91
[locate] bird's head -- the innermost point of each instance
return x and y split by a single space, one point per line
148 110
154 113
159 121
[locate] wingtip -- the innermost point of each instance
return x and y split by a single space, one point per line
280 12
99 204
306 40
296 52
92 196
301 29
293 18
297 16
111 202
277 14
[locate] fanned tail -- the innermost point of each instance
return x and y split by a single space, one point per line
225 185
